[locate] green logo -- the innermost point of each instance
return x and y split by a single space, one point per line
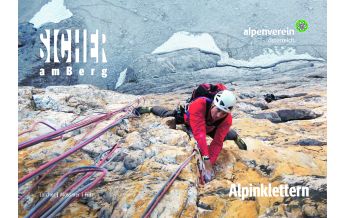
301 25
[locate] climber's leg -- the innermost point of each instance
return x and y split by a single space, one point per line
162 112
233 135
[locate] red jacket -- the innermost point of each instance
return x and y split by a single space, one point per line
200 126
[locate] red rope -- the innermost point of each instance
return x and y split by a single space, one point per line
165 188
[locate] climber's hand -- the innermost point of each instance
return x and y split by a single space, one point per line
208 171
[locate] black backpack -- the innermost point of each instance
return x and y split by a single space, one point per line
205 90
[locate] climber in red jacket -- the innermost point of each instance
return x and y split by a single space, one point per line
213 119
215 123
207 117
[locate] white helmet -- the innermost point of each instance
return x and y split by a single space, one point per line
225 100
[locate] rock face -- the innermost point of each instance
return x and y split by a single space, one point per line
135 29
183 61
30 62
290 151
288 115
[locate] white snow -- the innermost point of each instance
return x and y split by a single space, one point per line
53 11
121 78
267 58
182 40
205 42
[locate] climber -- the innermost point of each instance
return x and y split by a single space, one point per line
205 117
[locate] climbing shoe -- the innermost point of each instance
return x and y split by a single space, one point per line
143 110
171 123
240 143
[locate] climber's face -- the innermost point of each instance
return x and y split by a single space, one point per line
217 113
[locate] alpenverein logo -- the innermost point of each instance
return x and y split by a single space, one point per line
301 25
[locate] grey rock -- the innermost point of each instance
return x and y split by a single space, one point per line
250 107
186 81
137 146
30 62
119 168
120 132
138 28
272 116
110 166
297 114
131 76
134 159
260 104
150 153
251 163
153 140
25 100
317 185
76 132
159 65
107 197
93 205
28 202
310 142
90 203
44 102
266 169
246 95
120 155
204 206
104 213
310 211
317 75
246 107
287 115
285 68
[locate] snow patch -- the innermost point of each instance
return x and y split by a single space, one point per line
268 58
182 40
121 78
205 42
53 11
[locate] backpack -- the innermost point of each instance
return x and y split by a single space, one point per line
205 90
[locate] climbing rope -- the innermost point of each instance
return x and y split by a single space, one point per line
84 122
43 168
82 184
22 196
199 161
63 180
48 207
164 189
33 128
166 186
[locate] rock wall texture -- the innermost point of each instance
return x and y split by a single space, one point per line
281 114
136 28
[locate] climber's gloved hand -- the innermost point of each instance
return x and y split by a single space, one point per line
208 171
208 176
